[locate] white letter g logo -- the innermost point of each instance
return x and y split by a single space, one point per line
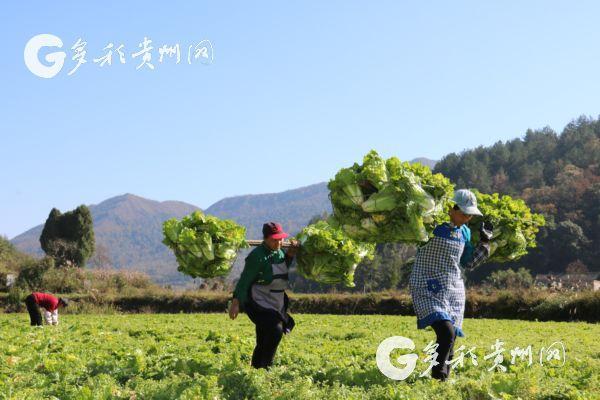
32 60
383 358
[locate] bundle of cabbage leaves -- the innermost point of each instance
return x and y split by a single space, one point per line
204 246
515 226
328 255
383 201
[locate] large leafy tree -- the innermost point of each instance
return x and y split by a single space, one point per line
69 238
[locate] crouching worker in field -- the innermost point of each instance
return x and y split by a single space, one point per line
49 303
261 292
436 282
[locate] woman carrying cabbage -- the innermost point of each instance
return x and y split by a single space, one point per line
261 291
436 283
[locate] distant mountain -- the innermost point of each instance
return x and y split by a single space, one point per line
292 208
129 234
425 161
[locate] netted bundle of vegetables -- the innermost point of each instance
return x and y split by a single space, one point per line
205 246
515 226
384 201
328 255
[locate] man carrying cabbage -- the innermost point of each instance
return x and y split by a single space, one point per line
436 282
261 291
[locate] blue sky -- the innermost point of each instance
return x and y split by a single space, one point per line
296 91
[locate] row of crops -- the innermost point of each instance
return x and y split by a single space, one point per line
204 356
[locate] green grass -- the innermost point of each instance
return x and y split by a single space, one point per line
195 356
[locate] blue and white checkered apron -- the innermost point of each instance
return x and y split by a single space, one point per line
436 284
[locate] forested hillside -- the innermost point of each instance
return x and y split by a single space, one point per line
557 175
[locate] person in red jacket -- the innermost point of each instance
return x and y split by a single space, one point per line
49 303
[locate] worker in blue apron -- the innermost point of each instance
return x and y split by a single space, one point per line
436 283
261 292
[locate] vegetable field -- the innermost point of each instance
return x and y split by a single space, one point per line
191 356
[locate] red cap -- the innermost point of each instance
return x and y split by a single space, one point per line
274 231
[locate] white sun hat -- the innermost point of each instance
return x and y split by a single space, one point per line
467 202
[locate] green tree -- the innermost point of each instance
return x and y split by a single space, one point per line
69 238
565 243
510 279
591 213
32 273
10 258
387 270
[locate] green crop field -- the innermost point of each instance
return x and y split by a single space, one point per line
195 356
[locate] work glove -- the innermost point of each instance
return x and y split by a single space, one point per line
486 231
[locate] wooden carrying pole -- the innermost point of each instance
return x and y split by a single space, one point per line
259 242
